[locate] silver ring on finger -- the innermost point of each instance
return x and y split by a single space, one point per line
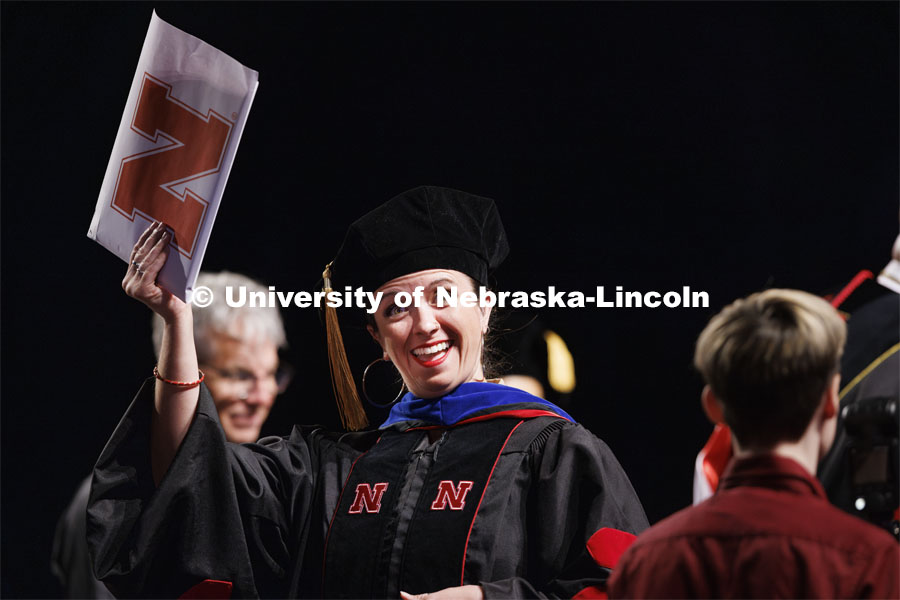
137 265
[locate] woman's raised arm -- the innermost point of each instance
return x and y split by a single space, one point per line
174 405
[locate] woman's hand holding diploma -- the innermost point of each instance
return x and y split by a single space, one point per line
174 404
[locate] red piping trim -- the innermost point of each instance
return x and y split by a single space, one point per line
486 484
857 281
529 413
334 514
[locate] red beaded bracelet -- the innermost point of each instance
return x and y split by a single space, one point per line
184 384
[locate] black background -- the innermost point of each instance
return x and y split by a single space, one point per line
728 147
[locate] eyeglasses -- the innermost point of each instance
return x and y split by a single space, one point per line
242 378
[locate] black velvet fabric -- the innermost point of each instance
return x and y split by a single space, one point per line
424 228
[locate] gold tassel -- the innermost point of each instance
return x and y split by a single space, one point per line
353 415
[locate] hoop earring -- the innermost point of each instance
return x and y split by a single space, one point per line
369 400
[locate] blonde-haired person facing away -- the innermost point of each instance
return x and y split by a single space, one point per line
770 363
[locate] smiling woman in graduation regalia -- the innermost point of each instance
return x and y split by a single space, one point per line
468 483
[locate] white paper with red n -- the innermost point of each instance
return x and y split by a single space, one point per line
176 143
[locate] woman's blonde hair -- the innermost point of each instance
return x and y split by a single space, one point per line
769 358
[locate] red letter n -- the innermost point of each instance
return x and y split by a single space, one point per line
454 496
366 496
158 182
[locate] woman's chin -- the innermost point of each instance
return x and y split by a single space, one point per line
244 431
434 387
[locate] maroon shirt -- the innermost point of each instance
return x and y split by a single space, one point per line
768 532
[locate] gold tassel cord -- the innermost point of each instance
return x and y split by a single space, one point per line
353 415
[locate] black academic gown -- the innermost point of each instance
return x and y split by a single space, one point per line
69 561
870 369
525 506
